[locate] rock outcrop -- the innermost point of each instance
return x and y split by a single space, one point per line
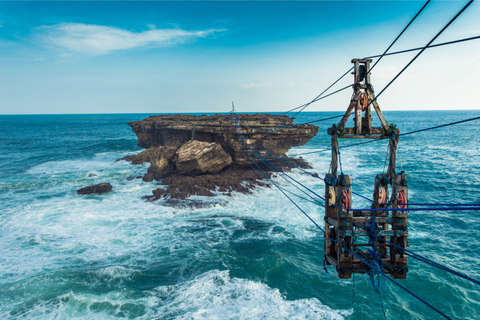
197 155
96 189
175 130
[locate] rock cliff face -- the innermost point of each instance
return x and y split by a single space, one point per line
175 130
200 154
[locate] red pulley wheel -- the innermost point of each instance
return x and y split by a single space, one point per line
401 199
382 195
345 200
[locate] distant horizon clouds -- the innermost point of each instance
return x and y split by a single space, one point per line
91 39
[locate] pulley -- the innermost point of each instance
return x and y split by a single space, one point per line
363 100
332 198
382 195
401 199
345 200
362 72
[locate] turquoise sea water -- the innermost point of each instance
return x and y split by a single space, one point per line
249 257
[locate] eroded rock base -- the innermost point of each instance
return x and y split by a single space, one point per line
233 179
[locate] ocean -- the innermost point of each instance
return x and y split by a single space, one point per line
249 256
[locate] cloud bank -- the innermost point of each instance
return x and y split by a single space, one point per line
97 40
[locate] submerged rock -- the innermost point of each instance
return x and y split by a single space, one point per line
96 189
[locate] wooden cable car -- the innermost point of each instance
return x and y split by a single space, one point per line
371 235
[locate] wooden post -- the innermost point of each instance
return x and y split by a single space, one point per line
392 146
358 118
367 65
334 156
400 219
343 122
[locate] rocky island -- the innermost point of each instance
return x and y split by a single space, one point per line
200 155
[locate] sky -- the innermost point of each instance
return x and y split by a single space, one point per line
168 57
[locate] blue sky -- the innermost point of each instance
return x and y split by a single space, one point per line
154 57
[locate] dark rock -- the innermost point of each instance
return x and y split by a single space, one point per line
96 189
234 178
130 178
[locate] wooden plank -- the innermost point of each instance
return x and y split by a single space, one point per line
378 219
363 233
348 136
334 156
367 64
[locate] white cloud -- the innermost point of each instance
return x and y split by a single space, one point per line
257 85
97 40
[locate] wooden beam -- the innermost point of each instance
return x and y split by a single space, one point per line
363 233
375 131
343 122
371 97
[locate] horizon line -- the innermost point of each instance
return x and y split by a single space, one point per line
211 112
